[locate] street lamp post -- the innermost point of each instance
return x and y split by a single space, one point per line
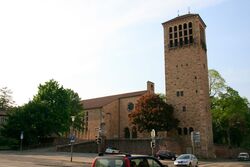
72 138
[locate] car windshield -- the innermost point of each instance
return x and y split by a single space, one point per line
109 162
245 154
184 157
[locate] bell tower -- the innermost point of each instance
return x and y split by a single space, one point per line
186 81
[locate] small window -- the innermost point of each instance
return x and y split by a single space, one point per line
185 32
175 28
190 31
180 27
176 42
185 131
130 106
190 25
180 33
191 39
185 26
191 130
171 43
181 41
170 29
181 93
177 93
175 34
134 132
179 131
170 36
184 108
186 40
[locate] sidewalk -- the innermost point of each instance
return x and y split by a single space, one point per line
82 158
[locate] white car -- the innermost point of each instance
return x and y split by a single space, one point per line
112 150
189 160
243 156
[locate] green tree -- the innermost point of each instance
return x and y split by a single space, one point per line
76 109
216 83
47 114
6 101
152 112
62 103
32 119
229 111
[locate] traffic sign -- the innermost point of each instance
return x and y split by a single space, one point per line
195 137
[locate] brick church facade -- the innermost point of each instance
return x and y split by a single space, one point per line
110 115
186 81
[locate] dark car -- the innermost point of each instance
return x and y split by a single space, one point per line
126 161
165 154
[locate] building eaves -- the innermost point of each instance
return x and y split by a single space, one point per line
183 17
102 101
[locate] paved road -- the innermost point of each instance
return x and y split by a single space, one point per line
59 159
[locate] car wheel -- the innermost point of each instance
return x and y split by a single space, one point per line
190 165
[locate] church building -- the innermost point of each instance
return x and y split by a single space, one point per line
186 82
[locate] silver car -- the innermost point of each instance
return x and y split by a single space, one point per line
189 160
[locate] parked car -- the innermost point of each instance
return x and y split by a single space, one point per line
112 150
165 154
126 161
186 160
243 156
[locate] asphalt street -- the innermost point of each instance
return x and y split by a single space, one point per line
62 159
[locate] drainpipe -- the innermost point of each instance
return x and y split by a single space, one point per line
119 117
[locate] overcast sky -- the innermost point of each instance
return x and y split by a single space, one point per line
105 47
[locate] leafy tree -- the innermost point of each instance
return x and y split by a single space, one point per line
152 112
216 83
76 109
47 114
33 119
6 101
229 112
62 103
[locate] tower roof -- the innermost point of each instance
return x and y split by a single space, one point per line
184 17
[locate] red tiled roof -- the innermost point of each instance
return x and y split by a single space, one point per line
101 101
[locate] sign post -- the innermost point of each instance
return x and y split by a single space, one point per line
195 138
21 143
152 143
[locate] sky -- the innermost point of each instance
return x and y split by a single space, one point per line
99 48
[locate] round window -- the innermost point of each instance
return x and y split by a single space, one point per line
130 106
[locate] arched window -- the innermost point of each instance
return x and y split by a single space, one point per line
179 131
185 130
134 132
175 28
191 130
180 27
190 24
126 133
185 26
170 29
